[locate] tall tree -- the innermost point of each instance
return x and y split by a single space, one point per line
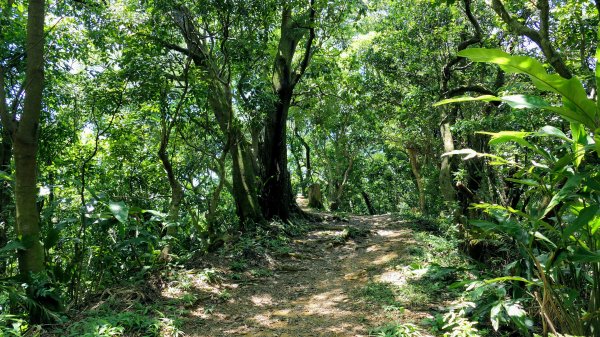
276 195
25 141
214 62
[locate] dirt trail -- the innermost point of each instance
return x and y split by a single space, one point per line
313 292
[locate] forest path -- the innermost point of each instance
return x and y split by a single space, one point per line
326 286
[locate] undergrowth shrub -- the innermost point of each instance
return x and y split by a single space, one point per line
551 231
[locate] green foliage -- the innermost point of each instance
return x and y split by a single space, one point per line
116 324
378 292
396 330
454 323
554 230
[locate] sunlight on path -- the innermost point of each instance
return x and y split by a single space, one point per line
318 296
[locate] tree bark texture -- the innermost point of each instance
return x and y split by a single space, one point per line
412 156
315 197
6 149
446 185
338 187
25 143
176 189
367 200
276 196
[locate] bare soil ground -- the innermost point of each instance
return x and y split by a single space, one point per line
315 289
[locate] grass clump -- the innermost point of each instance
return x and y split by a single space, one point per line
379 293
396 330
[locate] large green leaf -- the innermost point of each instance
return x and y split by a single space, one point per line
119 210
570 89
509 136
579 135
551 131
572 184
460 99
586 256
12 245
585 216
525 102
509 278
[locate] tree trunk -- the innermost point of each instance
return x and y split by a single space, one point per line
315 197
245 191
5 196
244 182
275 193
25 142
446 185
7 128
276 196
368 203
307 180
338 189
216 195
176 189
299 173
412 155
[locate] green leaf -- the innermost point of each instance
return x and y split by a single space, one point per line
119 210
5 176
570 89
579 142
552 131
597 73
585 256
567 190
585 216
509 278
528 182
512 229
460 99
52 238
12 245
597 140
495 315
509 136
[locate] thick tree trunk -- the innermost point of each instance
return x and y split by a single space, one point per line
245 191
412 155
275 194
315 197
176 189
25 142
244 182
7 128
367 200
276 197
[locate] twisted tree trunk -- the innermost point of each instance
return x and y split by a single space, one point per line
276 195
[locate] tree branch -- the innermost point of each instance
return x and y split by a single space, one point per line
469 88
308 46
540 38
